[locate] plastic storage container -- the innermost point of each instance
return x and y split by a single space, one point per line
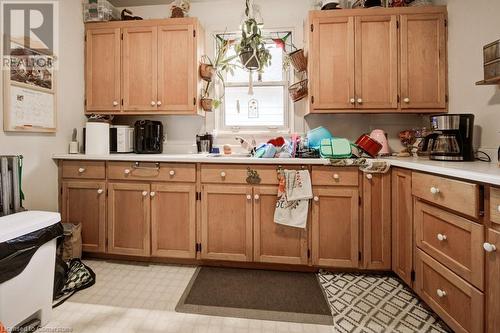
99 10
27 294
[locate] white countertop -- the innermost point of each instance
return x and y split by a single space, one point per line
483 172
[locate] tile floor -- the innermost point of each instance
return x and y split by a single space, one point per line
133 298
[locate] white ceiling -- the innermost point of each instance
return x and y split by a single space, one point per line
132 3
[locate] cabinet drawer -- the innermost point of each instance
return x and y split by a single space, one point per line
325 175
459 196
163 172
495 205
453 240
238 174
458 303
84 169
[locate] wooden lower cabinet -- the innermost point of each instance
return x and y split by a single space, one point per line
84 202
335 227
173 220
402 224
275 243
493 283
129 219
377 221
226 224
457 302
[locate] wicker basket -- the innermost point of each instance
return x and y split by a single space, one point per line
177 12
206 104
298 90
207 72
298 60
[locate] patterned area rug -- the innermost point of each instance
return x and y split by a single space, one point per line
364 303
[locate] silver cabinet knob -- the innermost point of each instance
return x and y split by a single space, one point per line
369 176
316 199
441 293
158 103
435 190
441 237
249 197
488 247
153 103
256 197
81 170
406 100
360 101
126 171
352 100
152 194
145 193
100 191
115 103
172 173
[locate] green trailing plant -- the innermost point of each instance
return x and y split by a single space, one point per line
252 47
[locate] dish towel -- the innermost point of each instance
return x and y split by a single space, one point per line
294 193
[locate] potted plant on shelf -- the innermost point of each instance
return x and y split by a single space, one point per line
251 49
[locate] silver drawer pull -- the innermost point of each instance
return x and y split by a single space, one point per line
137 166
442 237
488 247
441 293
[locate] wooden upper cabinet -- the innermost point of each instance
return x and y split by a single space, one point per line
275 243
177 68
377 221
140 59
423 61
226 223
84 202
376 57
173 232
129 219
332 63
102 69
402 224
335 227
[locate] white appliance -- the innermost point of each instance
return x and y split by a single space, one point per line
121 139
97 138
29 294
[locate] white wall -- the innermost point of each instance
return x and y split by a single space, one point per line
40 172
472 24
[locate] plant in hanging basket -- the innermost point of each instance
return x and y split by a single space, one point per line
251 49
296 57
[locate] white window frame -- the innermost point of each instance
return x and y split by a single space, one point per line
221 129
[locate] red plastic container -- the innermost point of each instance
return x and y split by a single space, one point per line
370 146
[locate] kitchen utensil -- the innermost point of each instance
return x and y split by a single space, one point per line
370 146
148 137
380 136
315 136
335 148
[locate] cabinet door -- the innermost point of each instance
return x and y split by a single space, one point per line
493 283
335 227
140 57
275 243
332 53
226 222
85 203
423 61
102 70
402 225
129 219
177 69
173 220
377 221
376 62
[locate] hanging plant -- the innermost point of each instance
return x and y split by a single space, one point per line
251 49
296 57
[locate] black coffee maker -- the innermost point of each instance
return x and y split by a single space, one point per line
148 137
451 138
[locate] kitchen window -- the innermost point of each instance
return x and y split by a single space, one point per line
268 108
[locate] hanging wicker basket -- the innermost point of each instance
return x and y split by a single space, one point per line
298 90
298 60
206 104
207 72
